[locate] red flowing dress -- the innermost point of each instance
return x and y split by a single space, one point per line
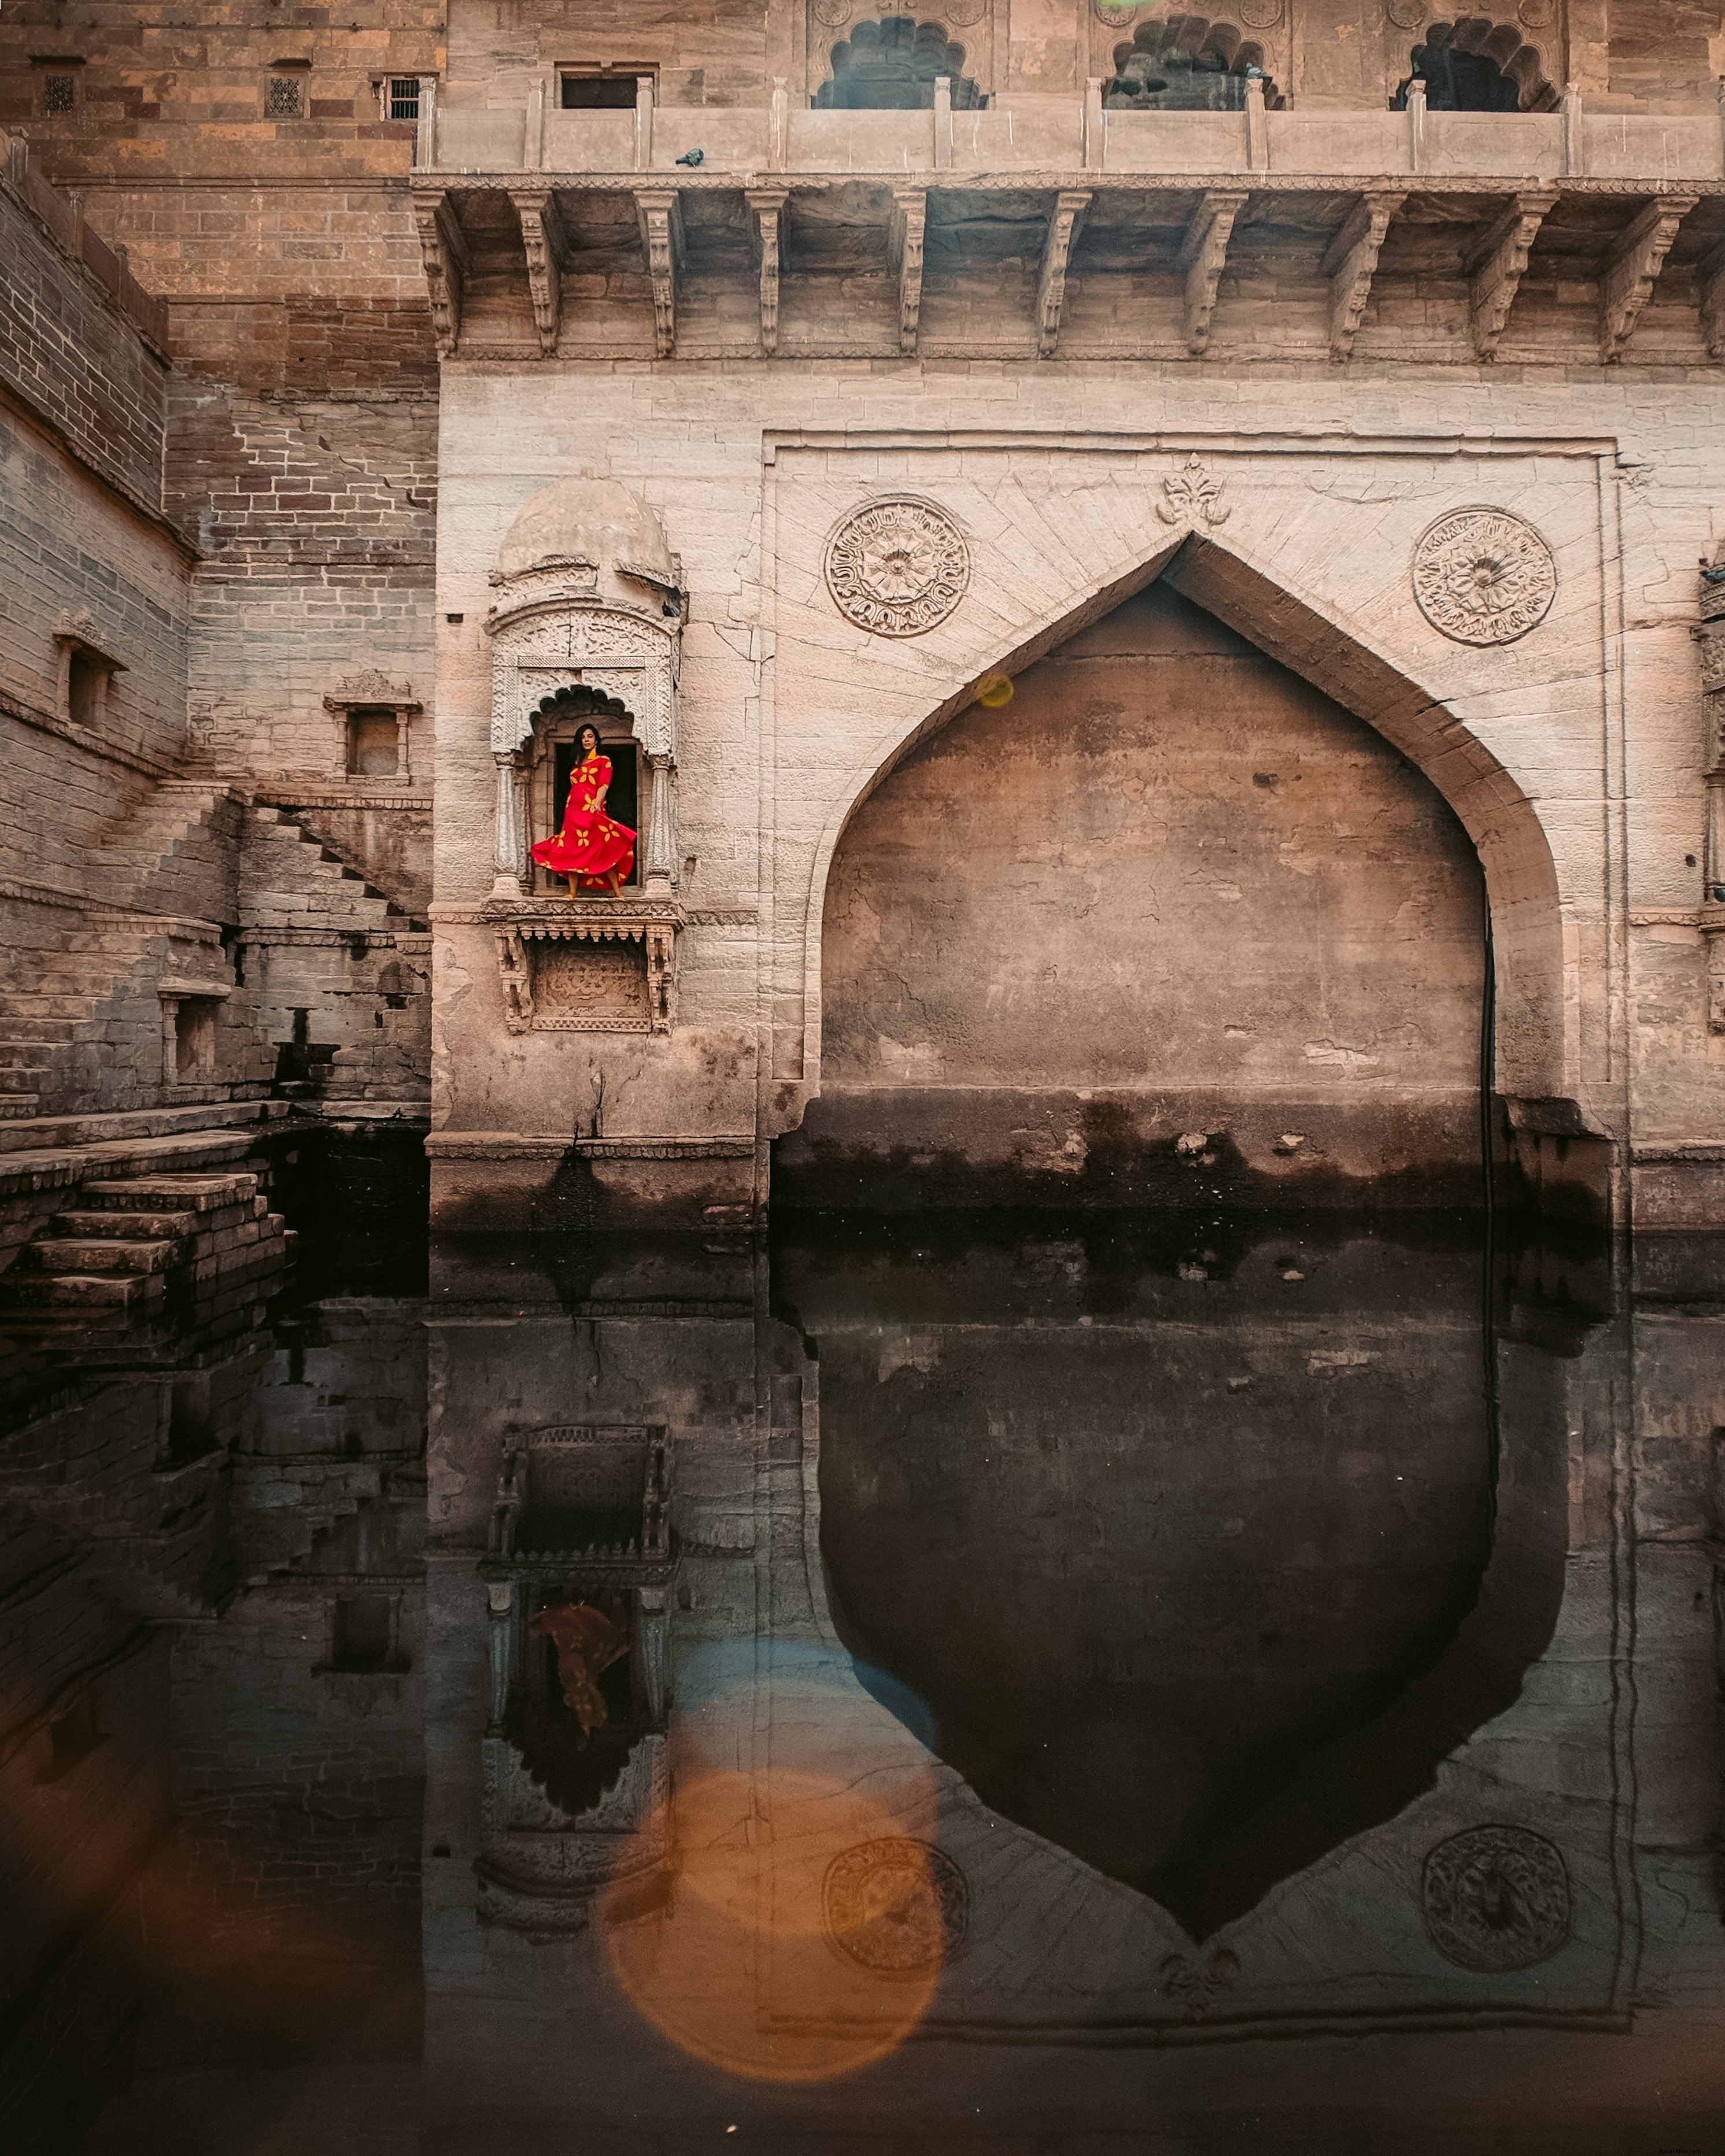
591 845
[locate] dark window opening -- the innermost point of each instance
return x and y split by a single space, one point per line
71 1737
622 802
194 1037
282 100
191 1426
373 745
1475 66
1186 64
361 1641
59 92
608 91
892 65
403 97
86 689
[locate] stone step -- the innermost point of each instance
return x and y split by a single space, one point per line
17 1107
78 1291
80 1254
56 1132
141 1227
184 1193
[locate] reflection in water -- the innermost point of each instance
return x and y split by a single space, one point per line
1248 1688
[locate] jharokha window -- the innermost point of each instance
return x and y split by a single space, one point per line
1187 64
892 66
600 90
555 757
1477 66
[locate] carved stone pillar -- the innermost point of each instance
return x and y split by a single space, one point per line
1712 682
500 1640
650 1612
510 851
661 835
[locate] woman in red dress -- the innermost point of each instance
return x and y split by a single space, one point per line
591 850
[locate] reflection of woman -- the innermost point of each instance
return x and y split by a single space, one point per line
591 850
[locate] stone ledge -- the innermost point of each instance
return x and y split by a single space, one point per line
514 1145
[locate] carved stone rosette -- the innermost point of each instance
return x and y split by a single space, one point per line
1495 1899
1713 683
1483 577
897 566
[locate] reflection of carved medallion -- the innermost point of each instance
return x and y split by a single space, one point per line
1259 14
897 567
832 14
1484 577
961 14
898 1907
1495 1898
1407 14
1535 14
1115 14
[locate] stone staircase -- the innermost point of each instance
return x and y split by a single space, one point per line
290 878
125 1243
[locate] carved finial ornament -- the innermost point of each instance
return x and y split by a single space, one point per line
1191 496
1483 577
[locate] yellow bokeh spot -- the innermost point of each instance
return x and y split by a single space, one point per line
994 690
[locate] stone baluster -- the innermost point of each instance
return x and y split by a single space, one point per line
1712 682
510 851
500 1630
651 1620
661 835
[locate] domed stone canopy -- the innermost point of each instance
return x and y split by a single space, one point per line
594 523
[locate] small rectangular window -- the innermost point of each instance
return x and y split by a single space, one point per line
59 92
372 745
361 1636
282 102
195 1039
86 689
607 92
402 94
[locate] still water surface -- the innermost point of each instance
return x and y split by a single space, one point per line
1221 1686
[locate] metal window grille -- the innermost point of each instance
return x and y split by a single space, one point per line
403 96
59 92
283 101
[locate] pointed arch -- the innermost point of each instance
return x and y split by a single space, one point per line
1343 659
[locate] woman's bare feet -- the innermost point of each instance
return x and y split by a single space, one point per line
616 883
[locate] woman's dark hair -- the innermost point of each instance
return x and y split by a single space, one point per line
586 727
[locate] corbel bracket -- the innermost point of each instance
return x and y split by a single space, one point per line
910 221
768 204
1497 264
1070 205
1632 268
444 246
661 215
1204 253
548 250
1351 263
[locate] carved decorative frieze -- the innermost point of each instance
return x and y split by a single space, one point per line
897 566
1483 577
609 973
896 1906
1192 496
559 638
1495 1899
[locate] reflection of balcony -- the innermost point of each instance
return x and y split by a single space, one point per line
725 232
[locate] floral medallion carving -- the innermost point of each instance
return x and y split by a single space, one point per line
1496 1898
1535 14
1115 14
1259 14
832 14
1483 577
963 14
1407 14
896 1906
897 566
1193 496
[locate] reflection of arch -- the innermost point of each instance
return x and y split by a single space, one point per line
1186 64
1502 821
1477 66
892 66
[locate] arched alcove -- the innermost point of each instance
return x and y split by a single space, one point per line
1475 65
550 757
1171 925
892 65
1186 64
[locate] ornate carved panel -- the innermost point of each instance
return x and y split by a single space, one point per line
598 971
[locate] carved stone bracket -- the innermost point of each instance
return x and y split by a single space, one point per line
1202 256
547 250
910 220
1632 270
443 247
1070 205
1498 265
768 204
587 966
661 212
1351 263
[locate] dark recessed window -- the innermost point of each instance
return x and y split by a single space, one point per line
86 687
600 93
403 96
59 92
361 1632
373 745
282 100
